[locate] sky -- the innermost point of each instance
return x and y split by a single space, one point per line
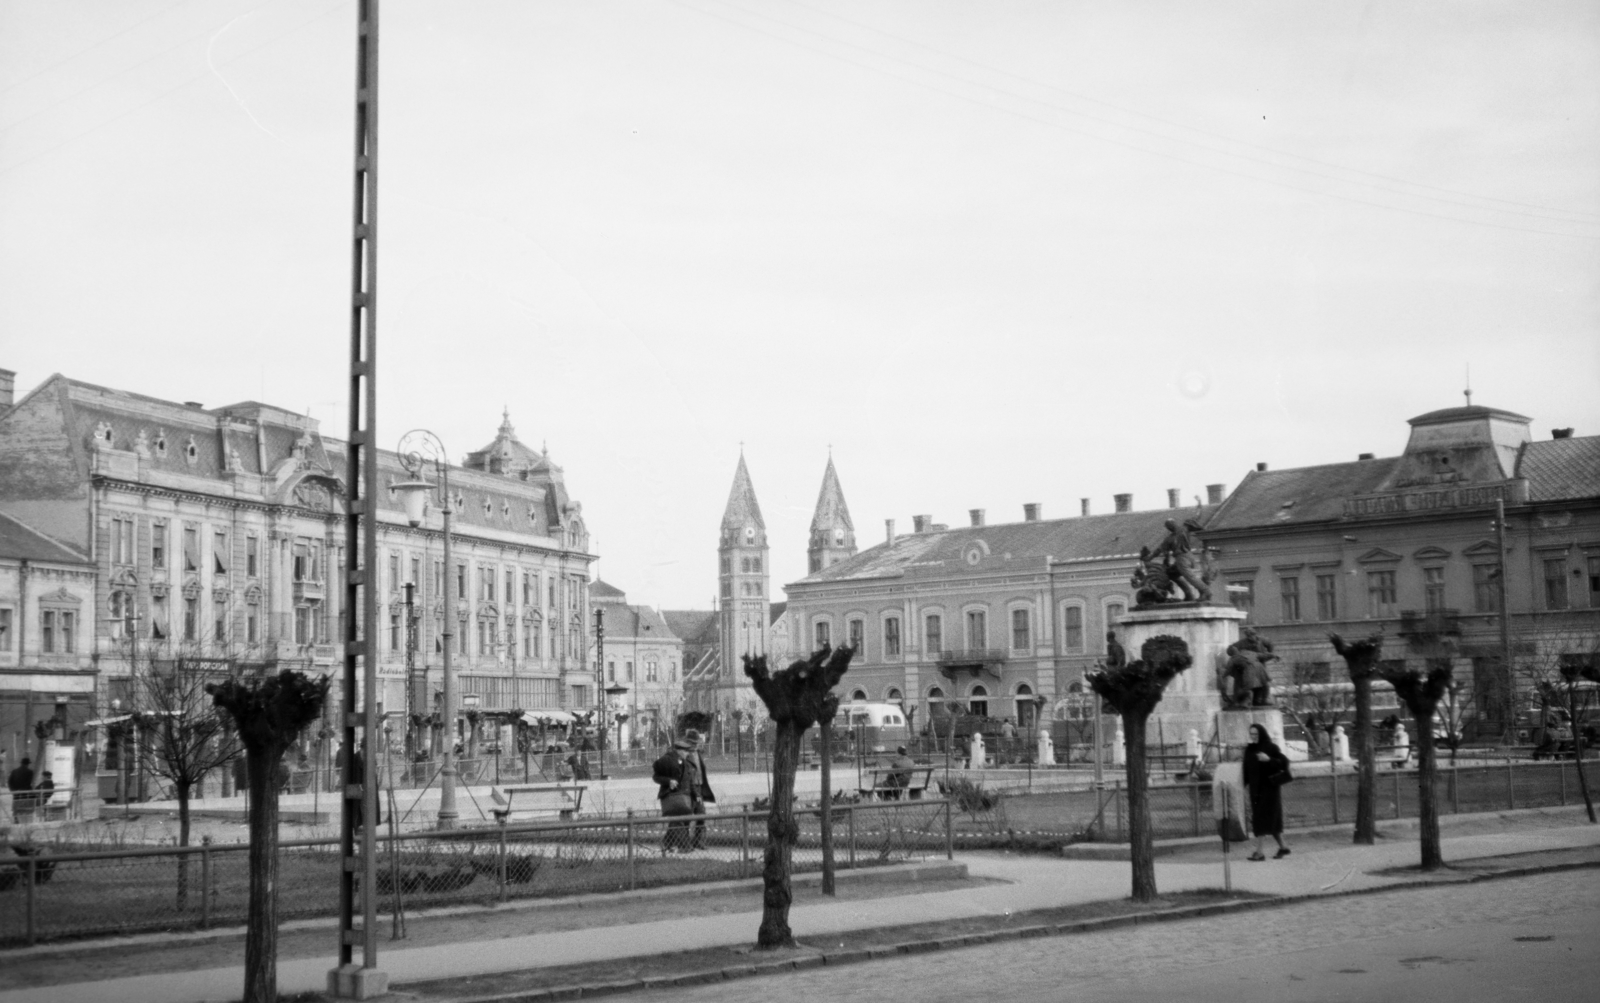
986 253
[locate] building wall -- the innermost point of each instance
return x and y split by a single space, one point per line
38 684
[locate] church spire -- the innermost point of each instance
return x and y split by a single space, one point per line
833 535
743 511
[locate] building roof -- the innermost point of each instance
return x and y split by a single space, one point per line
694 626
1449 415
1561 469
642 622
742 510
606 592
831 512
1004 546
1301 494
19 541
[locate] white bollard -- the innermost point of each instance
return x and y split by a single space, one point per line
1402 744
979 755
1191 745
1047 748
1119 747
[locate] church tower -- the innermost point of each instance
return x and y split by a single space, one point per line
833 535
743 612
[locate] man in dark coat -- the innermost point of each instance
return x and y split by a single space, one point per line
20 783
702 793
677 778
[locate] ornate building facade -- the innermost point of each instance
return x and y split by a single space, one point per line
643 654
219 533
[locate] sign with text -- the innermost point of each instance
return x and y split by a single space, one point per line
1433 498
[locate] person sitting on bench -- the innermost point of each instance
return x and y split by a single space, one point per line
900 768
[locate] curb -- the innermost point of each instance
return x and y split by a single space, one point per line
866 954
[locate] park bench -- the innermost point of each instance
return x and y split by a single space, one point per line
1398 754
885 785
565 799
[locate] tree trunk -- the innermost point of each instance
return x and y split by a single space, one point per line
261 937
1575 705
1366 766
1141 842
1427 804
826 769
782 834
182 787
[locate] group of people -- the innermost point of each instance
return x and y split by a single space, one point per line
25 794
684 790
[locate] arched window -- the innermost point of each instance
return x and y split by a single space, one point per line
978 701
894 695
858 694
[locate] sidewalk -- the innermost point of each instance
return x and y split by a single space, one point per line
1322 863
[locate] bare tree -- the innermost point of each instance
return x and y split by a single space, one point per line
1563 676
1361 661
796 698
186 735
1421 690
1134 690
268 714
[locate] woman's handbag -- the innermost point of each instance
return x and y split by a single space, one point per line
677 803
1281 776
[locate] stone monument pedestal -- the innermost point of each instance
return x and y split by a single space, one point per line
1233 727
1193 700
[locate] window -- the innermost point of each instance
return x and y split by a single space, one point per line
416 571
1486 588
394 571
891 636
552 593
438 577
1380 594
1594 581
1327 597
5 629
933 629
857 629
1072 628
822 632
461 636
533 638
511 586
1114 612
1290 595
1313 672
252 624
121 541
302 625
1020 640
461 581
158 618
628 668
219 552
727 565
529 588
1433 588
69 632
47 632
302 560
652 670
394 630
744 565
191 549
1555 583
219 623
485 639
755 565
978 702
121 620
1243 594
191 619
977 629
252 557
158 545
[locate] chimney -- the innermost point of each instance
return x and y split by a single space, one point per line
1555 433
888 526
1261 467
1084 502
1030 512
194 404
1364 456
1213 494
8 390
1172 498
1124 502
977 516
921 523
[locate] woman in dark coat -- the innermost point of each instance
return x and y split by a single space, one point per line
1266 770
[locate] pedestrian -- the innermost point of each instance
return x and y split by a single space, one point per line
677 778
20 782
702 794
900 770
1266 770
47 784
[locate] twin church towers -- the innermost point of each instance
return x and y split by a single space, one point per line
749 622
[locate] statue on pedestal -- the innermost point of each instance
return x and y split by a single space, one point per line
1172 572
1246 682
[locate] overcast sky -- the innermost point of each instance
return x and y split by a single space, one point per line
991 252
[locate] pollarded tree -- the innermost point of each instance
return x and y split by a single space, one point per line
796 698
1361 660
1134 690
268 714
1421 691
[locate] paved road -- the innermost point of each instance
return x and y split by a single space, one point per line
1458 944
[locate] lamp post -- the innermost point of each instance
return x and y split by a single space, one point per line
612 692
417 448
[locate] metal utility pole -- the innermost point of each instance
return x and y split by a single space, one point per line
359 865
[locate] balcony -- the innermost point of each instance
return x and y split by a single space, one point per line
306 590
953 662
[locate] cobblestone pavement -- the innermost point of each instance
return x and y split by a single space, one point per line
1456 943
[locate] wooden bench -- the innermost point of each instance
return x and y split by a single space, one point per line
886 786
566 799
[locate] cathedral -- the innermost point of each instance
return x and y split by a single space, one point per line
746 621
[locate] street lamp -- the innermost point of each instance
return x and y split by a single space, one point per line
612 692
417 448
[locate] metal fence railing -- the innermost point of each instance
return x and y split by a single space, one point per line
1184 809
51 895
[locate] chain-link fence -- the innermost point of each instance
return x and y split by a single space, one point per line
1184 809
51 895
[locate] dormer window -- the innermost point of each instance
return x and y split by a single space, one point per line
161 444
